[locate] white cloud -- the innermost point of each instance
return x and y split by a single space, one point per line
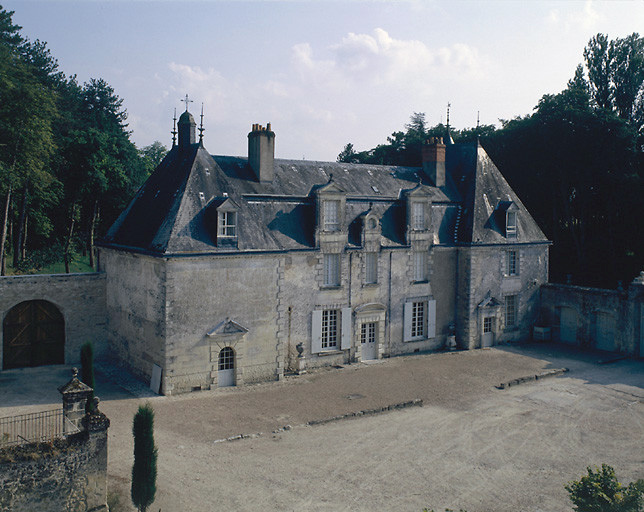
585 17
321 94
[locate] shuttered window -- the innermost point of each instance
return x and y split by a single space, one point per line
331 329
419 320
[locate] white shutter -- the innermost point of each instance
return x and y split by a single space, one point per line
431 318
345 342
316 332
407 321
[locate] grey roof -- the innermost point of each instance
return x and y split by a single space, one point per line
170 213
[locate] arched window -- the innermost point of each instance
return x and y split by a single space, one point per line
226 359
33 335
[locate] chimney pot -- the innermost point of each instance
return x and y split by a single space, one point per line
261 152
433 157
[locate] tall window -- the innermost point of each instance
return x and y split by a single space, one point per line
511 225
331 270
418 318
329 328
418 216
371 268
511 310
368 332
227 224
420 266
511 267
331 215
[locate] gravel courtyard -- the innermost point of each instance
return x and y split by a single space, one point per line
470 446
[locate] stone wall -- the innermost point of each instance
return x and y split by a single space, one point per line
595 318
135 309
66 475
79 297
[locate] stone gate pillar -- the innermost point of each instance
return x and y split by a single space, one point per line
75 394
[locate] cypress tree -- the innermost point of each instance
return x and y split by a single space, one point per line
144 470
87 371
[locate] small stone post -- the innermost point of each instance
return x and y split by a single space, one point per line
75 394
301 361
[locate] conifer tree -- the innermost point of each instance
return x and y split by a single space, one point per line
87 371
144 470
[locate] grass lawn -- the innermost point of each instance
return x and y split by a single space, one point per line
78 264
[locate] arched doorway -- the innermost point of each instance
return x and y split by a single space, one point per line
33 334
226 373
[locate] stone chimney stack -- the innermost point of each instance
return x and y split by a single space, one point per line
261 152
434 161
187 130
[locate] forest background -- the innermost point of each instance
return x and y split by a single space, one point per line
68 166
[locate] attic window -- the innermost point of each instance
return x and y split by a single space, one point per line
227 224
331 215
418 216
202 196
207 172
511 224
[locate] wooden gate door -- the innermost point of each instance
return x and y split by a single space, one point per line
567 325
34 335
604 331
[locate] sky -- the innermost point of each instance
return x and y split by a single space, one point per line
323 73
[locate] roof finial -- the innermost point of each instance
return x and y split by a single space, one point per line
448 135
187 101
174 129
478 127
201 128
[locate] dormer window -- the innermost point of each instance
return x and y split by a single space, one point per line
418 216
511 224
331 215
222 221
227 224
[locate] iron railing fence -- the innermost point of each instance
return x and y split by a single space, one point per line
35 427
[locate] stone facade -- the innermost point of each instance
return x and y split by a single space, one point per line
79 297
221 266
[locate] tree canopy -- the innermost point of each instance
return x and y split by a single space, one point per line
67 164
577 162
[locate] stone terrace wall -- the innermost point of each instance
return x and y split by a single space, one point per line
79 297
624 308
67 475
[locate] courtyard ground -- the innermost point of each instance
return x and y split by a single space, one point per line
470 446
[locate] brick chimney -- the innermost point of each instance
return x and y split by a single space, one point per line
434 161
261 151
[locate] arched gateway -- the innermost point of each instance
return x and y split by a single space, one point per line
33 335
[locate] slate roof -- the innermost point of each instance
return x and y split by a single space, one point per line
169 214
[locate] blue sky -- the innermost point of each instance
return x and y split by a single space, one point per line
323 73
